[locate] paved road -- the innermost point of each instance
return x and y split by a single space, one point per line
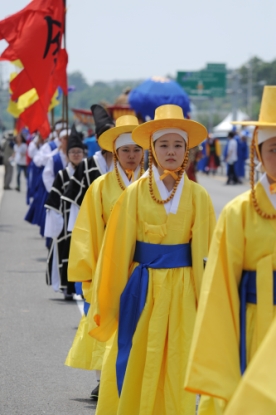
38 326
220 193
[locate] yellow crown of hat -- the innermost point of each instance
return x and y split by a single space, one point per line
267 116
124 124
169 116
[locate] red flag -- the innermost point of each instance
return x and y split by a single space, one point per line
34 35
35 118
19 125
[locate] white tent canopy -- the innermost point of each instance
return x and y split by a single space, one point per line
225 126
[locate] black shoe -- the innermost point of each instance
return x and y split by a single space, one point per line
17 188
7 188
67 297
95 393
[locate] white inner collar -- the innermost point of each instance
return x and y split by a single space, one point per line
101 163
265 183
124 176
172 205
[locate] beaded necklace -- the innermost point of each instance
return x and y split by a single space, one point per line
180 174
255 203
115 159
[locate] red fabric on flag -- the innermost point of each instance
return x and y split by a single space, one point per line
34 35
36 119
59 76
19 124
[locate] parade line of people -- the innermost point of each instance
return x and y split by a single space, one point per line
160 329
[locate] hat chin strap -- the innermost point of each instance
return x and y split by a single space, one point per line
166 172
272 187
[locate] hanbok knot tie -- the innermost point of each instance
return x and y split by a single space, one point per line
130 175
272 188
173 173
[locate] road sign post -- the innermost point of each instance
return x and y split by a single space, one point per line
209 82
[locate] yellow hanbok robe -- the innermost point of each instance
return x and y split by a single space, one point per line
86 352
243 240
255 394
154 378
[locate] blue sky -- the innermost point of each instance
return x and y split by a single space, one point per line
127 39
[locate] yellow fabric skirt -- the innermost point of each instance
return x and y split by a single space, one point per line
86 353
215 406
154 379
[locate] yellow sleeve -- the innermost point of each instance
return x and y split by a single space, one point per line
202 232
256 391
214 364
87 236
113 266
218 147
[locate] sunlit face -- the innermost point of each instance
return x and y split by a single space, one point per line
130 156
170 150
268 153
75 155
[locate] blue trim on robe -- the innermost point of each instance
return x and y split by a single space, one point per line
248 294
86 307
36 214
33 177
52 145
134 296
78 290
57 163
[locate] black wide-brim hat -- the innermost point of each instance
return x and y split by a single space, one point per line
102 119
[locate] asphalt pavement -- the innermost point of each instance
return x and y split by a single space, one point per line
37 325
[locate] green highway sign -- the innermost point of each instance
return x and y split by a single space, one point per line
210 82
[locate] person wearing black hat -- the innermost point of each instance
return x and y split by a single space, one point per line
90 168
57 219
49 159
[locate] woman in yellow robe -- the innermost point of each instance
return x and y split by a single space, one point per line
237 303
87 353
161 229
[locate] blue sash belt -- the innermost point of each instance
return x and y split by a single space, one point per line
78 289
248 294
134 296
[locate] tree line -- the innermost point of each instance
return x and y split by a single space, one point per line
252 76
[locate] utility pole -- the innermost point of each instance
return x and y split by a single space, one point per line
249 88
211 113
1 95
235 89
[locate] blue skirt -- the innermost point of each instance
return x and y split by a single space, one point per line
36 214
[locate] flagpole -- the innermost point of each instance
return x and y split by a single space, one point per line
65 96
53 117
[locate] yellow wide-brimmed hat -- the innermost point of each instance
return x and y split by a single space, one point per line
267 117
124 124
169 116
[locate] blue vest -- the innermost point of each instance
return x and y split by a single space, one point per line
57 162
52 145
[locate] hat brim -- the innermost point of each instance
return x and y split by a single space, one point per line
196 131
254 123
106 140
